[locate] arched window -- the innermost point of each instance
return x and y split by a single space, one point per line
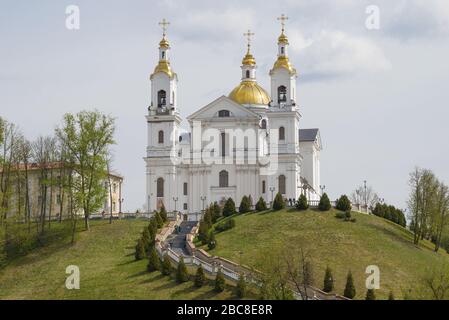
223 144
161 98
163 55
160 188
282 50
263 124
224 179
161 137
248 74
282 94
264 187
282 184
224 114
282 133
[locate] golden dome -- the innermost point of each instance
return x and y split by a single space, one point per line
283 39
164 43
249 92
283 62
164 66
249 60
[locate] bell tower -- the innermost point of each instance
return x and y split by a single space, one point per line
283 75
163 128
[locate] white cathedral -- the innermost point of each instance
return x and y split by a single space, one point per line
258 148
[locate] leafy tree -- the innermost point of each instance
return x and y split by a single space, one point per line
219 282
152 226
140 250
163 214
343 203
203 232
159 220
88 136
241 287
200 278
302 203
328 281
166 266
208 217
229 208
349 288
181 272
153 260
278 203
212 243
146 238
325 204
245 205
261 205
370 295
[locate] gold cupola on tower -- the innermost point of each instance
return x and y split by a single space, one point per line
283 61
163 65
248 92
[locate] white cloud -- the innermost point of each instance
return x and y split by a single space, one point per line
335 53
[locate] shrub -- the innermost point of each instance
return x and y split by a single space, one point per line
370 295
278 203
328 281
343 203
208 217
302 203
166 266
241 287
391 296
229 208
200 278
140 250
349 288
245 205
340 215
219 282
261 205
203 232
153 260
225 225
216 212
181 272
153 225
325 204
159 221
163 214
212 243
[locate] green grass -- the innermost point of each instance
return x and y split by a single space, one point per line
341 245
105 256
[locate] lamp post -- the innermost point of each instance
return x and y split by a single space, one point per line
175 200
322 188
272 190
203 198
366 196
120 203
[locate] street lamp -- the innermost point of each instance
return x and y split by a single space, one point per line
272 190
322 188
175 200
203 198
366 196
121 203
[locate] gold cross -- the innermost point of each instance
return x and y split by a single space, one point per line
282 19
248 35
164 24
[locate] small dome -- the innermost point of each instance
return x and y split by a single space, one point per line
283 39
249 92
164 67
164 43
283 63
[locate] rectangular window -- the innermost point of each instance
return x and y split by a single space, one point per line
185 206
185 188
263 187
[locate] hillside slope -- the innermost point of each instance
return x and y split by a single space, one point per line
105 256
332 242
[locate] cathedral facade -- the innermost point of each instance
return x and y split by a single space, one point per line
246 143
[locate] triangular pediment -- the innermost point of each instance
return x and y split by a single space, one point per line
211 110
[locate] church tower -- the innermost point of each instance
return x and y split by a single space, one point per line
283 75
163 124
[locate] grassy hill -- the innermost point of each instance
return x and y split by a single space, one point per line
341 245
105 256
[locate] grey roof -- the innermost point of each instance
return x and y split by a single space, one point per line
308 134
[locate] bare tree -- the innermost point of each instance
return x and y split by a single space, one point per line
437 281
299 270
365 196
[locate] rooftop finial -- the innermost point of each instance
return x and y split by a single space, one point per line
248 35
164 24
283 18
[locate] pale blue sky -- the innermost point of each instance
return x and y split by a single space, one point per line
379 97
